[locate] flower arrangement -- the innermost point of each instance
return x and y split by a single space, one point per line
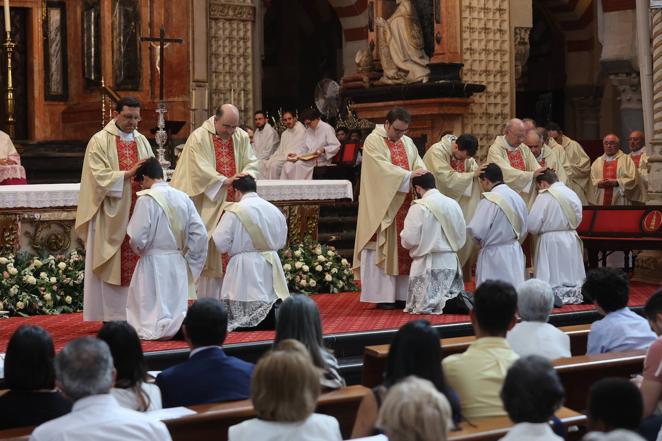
311 267
31 285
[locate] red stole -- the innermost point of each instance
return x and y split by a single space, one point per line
609 170
127 156
516 159
399 158
225 165
457 164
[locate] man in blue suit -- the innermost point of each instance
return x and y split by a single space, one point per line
208 376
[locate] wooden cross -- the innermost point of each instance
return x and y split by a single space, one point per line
162 40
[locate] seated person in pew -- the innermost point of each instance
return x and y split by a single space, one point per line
299 319
614 403
415 350
615 435
533 335
284 393
208 376
32 398
84 372
478 373
532 392
414 410
131 389
621 329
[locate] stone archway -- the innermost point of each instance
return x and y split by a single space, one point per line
353 16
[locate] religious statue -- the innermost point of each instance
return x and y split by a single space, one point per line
403 49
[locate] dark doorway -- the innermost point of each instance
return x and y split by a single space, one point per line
19 72
302 45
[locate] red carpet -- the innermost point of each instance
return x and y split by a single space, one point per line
341 313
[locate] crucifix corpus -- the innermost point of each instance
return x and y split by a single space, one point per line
161 135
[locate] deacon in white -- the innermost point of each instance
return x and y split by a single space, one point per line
434 232
319 148
265 142
499 226
291 141
167 233
554 218
251 232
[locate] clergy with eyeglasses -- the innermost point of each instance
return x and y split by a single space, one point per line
613 175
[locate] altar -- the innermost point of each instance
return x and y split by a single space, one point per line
40 218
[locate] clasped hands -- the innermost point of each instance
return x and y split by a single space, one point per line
608 183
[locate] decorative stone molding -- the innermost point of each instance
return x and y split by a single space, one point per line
219 10
629 89
521 42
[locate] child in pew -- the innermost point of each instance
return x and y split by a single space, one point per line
614 403
621 329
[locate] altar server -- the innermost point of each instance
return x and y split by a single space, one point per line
554 217
499 226
106 200
251 232
434 232
319 147
167 233
291 141
613 175
215 155
265 142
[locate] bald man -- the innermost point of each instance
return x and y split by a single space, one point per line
638 155
215 155
515 160
613 175
544 154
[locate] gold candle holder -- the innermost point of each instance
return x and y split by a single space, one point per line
9 46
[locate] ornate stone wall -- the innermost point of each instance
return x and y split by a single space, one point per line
487 60
231 54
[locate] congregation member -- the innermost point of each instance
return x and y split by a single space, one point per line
209 375
415 411
452 163
251 232
319 147
613 175
84 372
544 154
132 388
167 233
291 141
11 170
299 319
265 142
533 335
342 134
651 383
499 225
532 392
614 435
477 374
415 350
105 203
578 163
390 162
620 329
559 256
284 392
613 404
515 160
434 231
215 155
637 144
29 375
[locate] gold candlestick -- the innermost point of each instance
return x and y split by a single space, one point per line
9 46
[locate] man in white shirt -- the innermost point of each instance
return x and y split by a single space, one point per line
499 226
291 141
252 232
534 336
168 234
434 232
319 148
265 142
559 256
84 373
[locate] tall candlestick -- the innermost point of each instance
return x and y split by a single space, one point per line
7 21
232 96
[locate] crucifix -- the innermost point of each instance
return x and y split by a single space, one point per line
161 135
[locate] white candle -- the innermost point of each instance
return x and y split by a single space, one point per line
232 96
7 22
242 99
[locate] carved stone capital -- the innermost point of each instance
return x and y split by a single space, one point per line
521 41
629 89
219 9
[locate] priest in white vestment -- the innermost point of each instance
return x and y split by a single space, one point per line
168 234
319 147
291 141
544 154
434 232
554 218
578 163
265 142
614 176
251 232
499 226
639 156
11 170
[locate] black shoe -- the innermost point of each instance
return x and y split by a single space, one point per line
400 304
387 306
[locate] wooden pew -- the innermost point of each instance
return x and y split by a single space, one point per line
374 357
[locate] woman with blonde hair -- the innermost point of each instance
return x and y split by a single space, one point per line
284 391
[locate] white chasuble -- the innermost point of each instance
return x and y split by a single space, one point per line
322 136
579 167
291 141
499 226
619 167
517 164
434 232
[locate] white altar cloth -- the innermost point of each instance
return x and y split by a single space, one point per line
66 195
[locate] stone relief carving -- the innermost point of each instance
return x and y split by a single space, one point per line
521 41
629 89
